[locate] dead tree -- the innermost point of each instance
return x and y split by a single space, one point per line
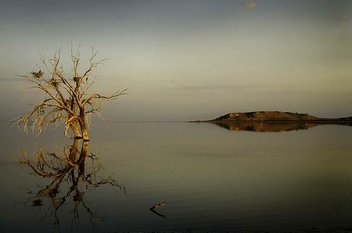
67 97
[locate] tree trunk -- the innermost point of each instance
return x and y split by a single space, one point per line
74 151
75 130
84 126
84 129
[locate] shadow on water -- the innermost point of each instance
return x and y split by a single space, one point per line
69 176
272 126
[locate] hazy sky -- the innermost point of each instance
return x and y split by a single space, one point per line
189 59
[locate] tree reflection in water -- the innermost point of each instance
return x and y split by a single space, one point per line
70 173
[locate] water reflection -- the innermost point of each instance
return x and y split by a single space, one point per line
267 126
211 180
68 177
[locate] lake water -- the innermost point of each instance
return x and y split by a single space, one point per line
210 179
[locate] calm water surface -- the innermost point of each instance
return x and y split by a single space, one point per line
210 178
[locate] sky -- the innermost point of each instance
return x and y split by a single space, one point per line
188 59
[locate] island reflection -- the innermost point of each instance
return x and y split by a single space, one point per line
272 126
68 177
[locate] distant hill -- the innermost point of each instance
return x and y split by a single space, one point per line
274 121
275 116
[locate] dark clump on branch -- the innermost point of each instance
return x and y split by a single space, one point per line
76 79
38 74
67 97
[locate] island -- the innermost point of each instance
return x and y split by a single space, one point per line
273 121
